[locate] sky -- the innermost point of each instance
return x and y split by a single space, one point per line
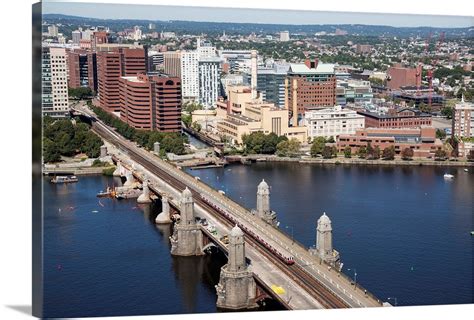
207 14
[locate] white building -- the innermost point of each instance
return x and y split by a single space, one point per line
76 36
285 36
137 33
205 49
190 75
53 30
54 82
209 81
332 122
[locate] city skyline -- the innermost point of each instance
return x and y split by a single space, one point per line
241 15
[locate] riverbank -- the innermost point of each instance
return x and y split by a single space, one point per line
356 161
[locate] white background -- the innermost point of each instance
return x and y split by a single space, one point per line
15 154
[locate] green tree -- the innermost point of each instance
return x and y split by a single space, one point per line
362 152
440 155
388 153
327 152
318 145
50 151
288 148
80 93
347 152
330 140
440 134
407 154
448 112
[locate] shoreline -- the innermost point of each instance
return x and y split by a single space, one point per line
356 161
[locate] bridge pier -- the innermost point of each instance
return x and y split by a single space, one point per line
145 196
324 249
187 236
118 170
130 179
164 216
236 289
103 151
263 210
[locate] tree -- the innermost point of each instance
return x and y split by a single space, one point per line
317 146
288 148
80 93
440 134
470 155
440 155
327 152
376 153
330 140
388 153
407 154
362 152
448 112
50 151
347 152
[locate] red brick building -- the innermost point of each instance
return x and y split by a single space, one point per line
308 86
111 65
151 102
403 118
82 65
422 140
99 37
398 77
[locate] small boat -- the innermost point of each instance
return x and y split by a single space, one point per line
472 233
110 192
448 176
64 179
465 170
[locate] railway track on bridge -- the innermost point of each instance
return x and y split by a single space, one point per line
313 286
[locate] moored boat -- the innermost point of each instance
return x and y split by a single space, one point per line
448 176
64 179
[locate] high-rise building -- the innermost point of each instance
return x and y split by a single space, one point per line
137 33
271 83
151 26
209 81
172 63
54 82
82 66
111 65
284 36
309 85
76 36
205 49
398 77
155 61
463 120
190 75
151 102
53 30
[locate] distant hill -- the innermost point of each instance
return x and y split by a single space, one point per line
194 27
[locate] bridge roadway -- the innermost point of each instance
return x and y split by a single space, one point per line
330 288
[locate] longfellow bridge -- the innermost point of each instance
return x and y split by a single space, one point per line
263 261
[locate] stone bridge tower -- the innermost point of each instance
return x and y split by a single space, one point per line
263 210
187 236
324 248
236 289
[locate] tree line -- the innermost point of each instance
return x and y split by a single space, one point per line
170 142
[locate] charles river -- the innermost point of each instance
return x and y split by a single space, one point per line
405 230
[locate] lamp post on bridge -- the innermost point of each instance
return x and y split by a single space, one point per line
394 299
355 277
292 238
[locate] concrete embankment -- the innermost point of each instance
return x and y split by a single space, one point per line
77 170
357 161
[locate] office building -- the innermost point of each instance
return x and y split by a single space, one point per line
53 30
76 37
422 140
209 81
155 61
172 63
396 118
309 85
332 122
352 91
398 76
54 83
151 102
97 38
271 83
82 65
285 36
111 65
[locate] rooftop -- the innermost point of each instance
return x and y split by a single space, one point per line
302 68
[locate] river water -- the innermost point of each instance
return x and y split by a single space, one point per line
405 230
